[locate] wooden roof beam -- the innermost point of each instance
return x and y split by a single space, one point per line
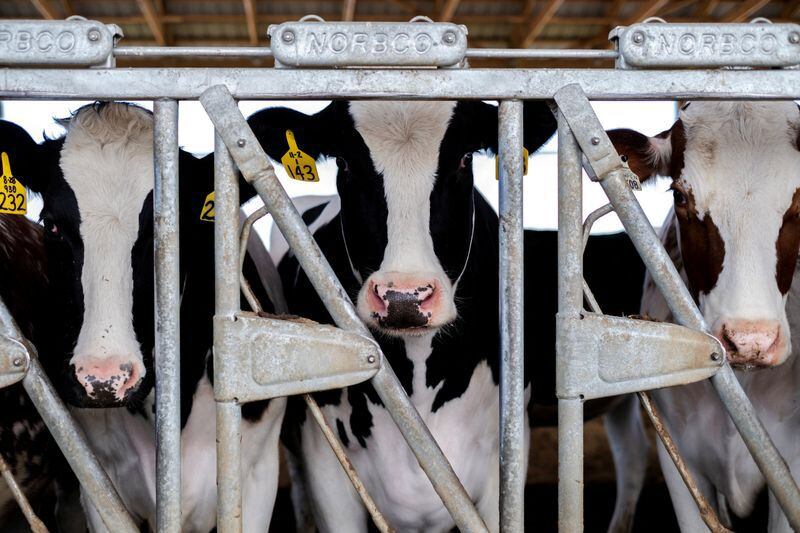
250 19
789 8
448 10
153 21
537 24
46 9
647 9
744 11
348 10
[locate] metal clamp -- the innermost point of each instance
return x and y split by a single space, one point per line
368 44
607 355
648 45
267 358
73 42
14 361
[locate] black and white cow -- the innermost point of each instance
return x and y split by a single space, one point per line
416 247
98 218
735 233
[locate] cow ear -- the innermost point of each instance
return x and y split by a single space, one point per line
25 160
538 125
646 156
317 135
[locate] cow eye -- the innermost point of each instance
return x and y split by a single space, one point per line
341 163
678 196
466 160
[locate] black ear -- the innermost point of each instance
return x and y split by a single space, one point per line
28 162
539 124
317 135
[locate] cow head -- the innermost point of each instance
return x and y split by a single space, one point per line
96 183
407 196
736 188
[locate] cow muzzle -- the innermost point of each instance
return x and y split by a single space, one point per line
108 381
406 304
753 343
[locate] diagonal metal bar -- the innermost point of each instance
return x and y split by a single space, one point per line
575 107
232 127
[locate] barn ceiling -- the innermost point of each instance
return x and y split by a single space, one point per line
496 24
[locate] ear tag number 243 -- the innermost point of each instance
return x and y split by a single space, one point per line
13 196
299 165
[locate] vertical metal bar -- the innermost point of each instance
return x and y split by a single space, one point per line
680 302
570 303
226 263
512 382
167 345
256 168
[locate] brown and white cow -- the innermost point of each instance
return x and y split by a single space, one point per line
736 230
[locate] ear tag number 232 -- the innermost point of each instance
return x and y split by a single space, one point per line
299 165
13 196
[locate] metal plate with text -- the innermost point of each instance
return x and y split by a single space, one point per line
660 45
56 42
322 44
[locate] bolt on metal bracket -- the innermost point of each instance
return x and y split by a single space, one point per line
267 358
607 355
660 45
14 361
75 42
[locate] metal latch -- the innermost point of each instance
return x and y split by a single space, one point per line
72 42
368 44
664 45
257 358
14 361
613 355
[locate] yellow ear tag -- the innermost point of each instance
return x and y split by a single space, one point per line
207 213
13 196
299 165
524 164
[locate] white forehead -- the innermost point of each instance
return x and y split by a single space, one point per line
107 160
403 137
741 153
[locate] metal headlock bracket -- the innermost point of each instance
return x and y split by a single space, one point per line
659 45
75 42
14 361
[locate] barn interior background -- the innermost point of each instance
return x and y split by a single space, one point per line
576 24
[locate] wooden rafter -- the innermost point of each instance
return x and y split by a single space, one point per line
538 22
250 18
68 9
672 7
153 21
706 8
448 10
790 8
46 9
744 11
647 9
348 10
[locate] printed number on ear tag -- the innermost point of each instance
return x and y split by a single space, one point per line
207 213
13 196
524 164
299 165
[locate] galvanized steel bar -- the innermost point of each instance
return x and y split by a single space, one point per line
254 165
424 84
226 263
168 333
192 51
70 439
680 302
570 305
36 525
539 53
512 266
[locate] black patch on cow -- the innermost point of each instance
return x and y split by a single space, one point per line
311 215
342 433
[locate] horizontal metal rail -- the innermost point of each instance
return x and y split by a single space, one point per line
408 84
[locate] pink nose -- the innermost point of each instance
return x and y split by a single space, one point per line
752 342
403 305
108 380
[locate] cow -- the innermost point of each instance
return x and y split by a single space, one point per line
416 247
734 233
96 183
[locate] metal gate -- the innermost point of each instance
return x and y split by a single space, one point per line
418 61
